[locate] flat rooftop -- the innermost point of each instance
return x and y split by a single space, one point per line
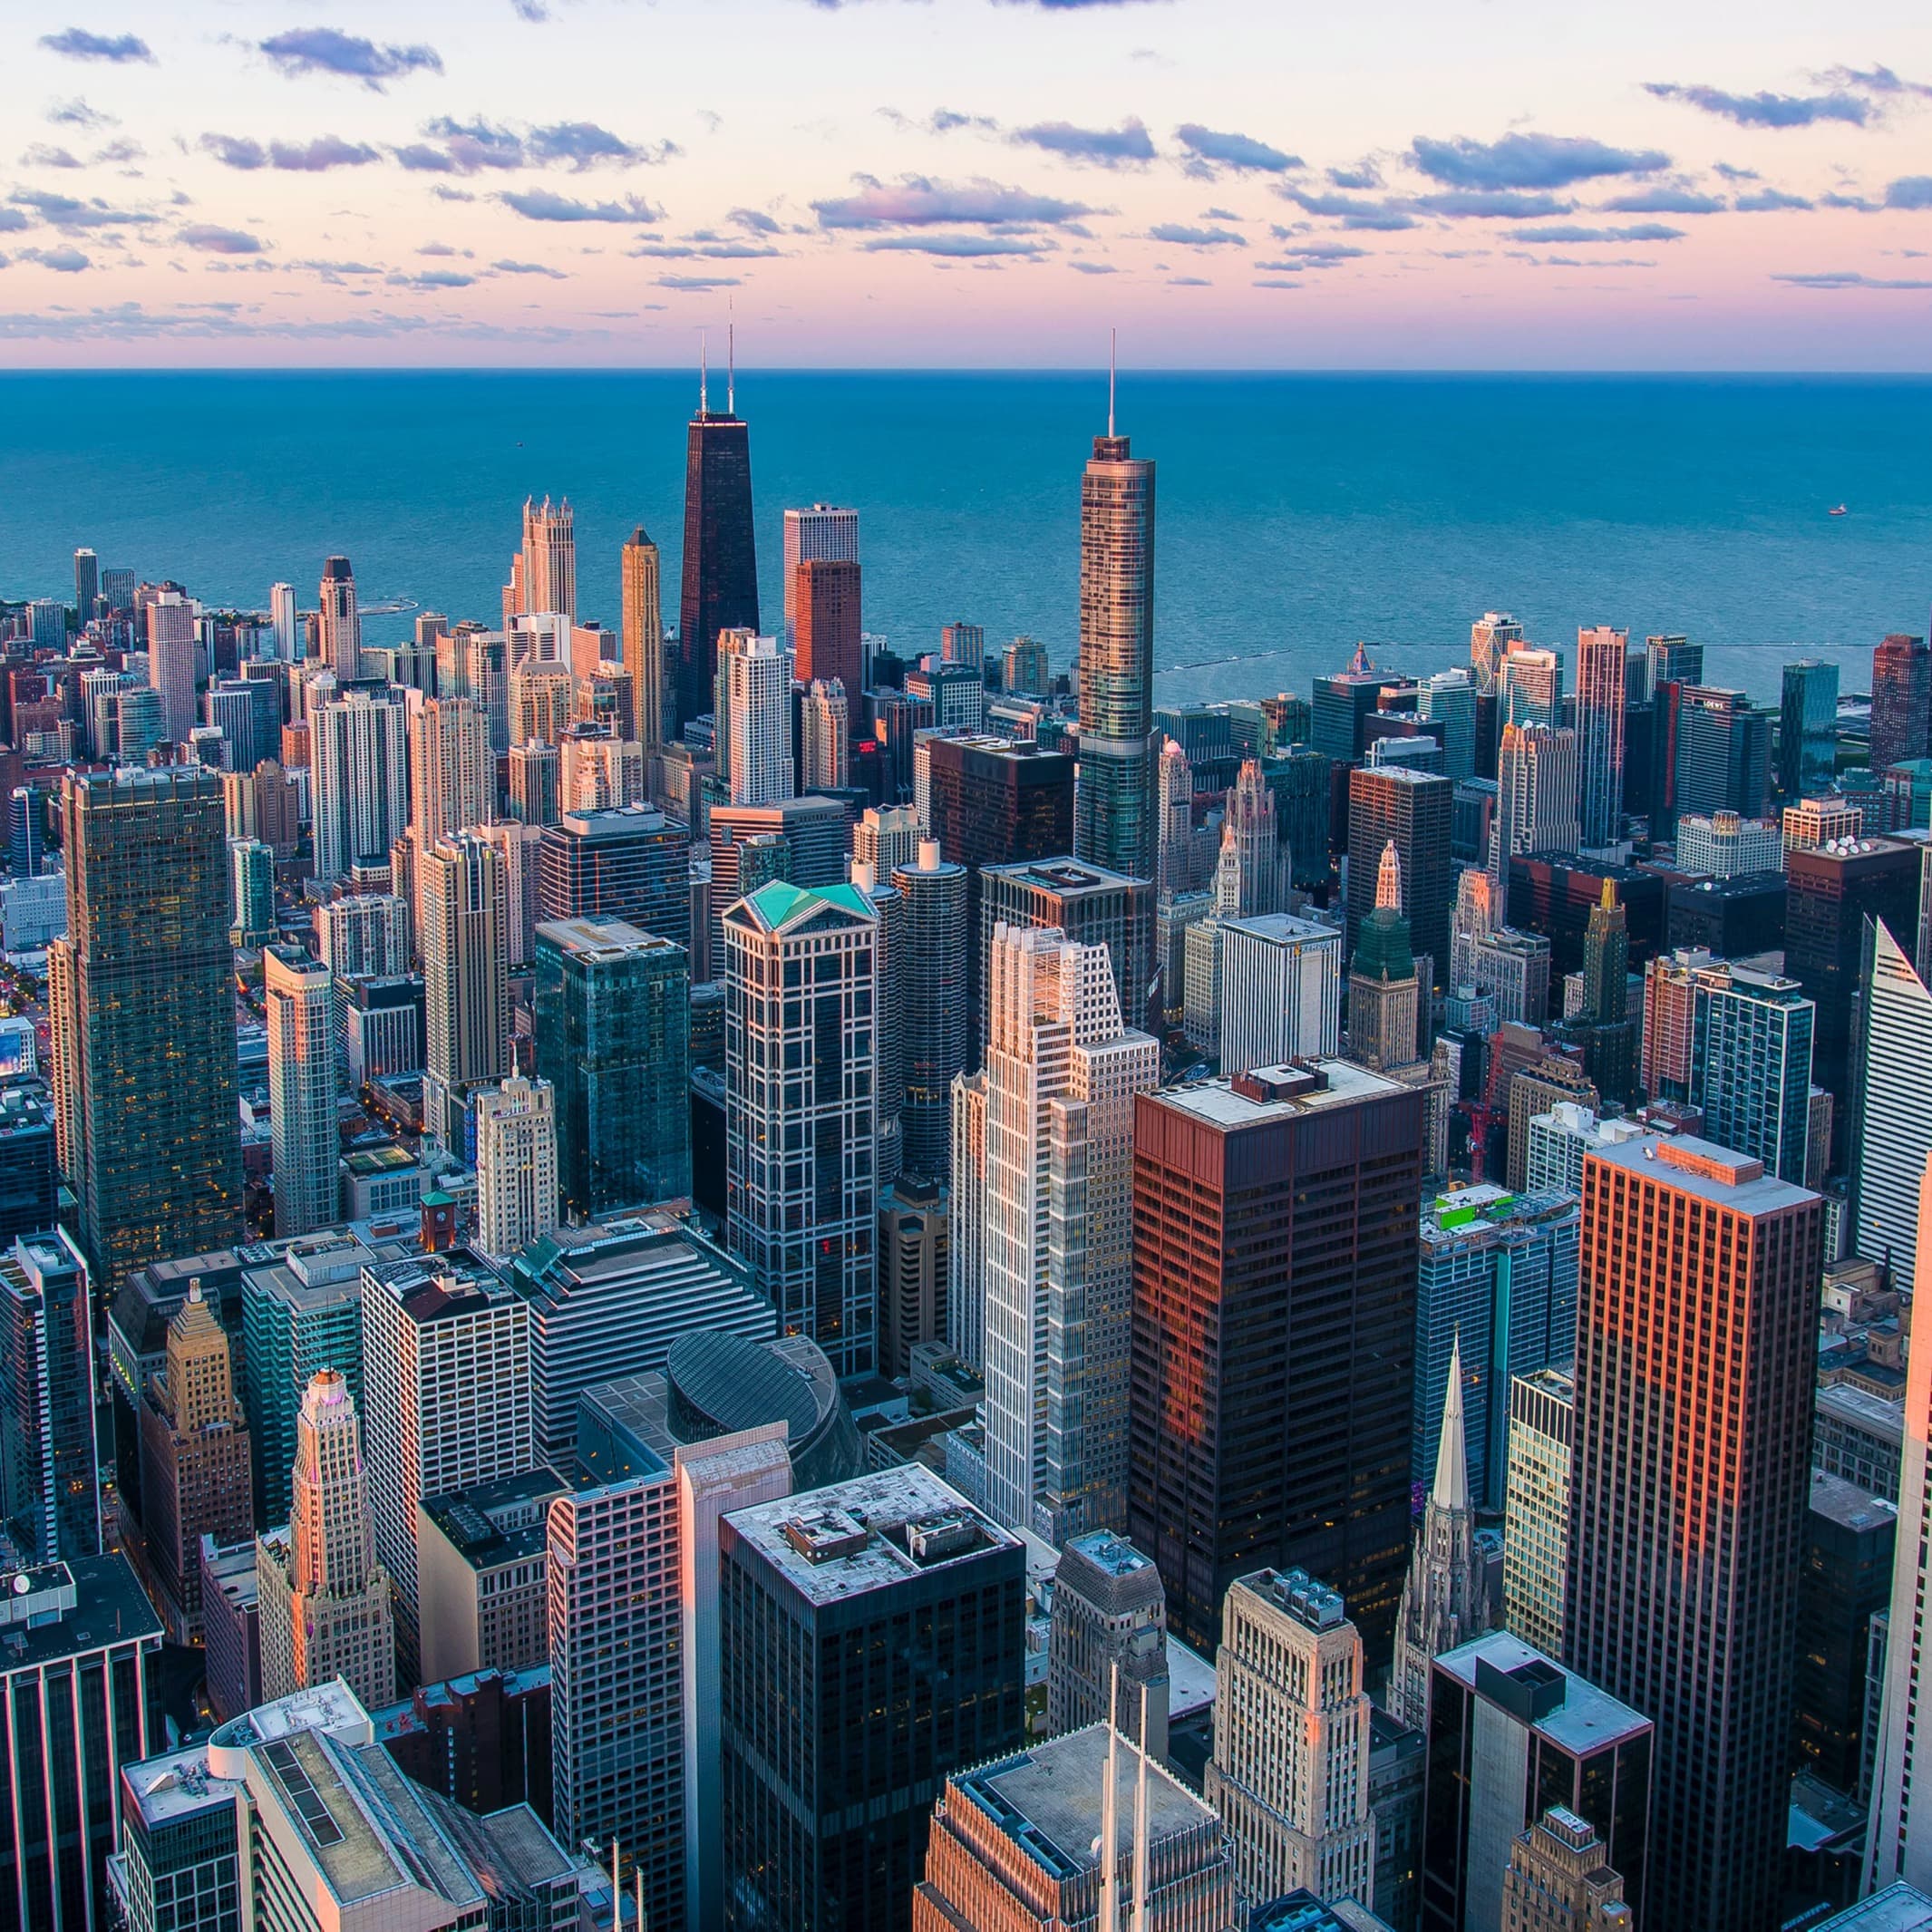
1065 877
1849 1505
876 1531
1111 1553
1284 928
1047 1800
1703 1169
1876 1415
470 1520
1587 1719
1217 1103
1898 1909
109 1607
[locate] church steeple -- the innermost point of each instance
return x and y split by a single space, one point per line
1451 1455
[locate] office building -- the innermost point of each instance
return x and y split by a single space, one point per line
1601 655
1091 906
1901 700
1721 759
382 1026
913 1262
1844 1582
1822 821
1342 705
549 558
1115 826
1491 638
825 1288
50 1483
1289 1775
359 752
1013 1844
339 632
86 584
1727 1321
1538 788
300 1001
515 1165
1725 845
1535 1507
613 1038
1891 1133
823 533
464 897
1497 1272
1529 687
1280 991
810 846
1510 1734
1559 1879
1250 829
171 658
823 620
719 588
252 882
447 1399
1449 698
230 1628
77 1674
644 638
1750 1060
1247 1310
1444 1603
1052 1195
1382 985
1832 892
931 968
759 708
887 837
324 1599
825 736
1532 1090
1107 1642
1388 804
452 770
482 1578
29 1164
536 782
827 1791
142 1016
1025 667
1513 968
196 1478
629 863
1671 660
610 1299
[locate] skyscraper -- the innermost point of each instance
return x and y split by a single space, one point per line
1901 700
720 583
1107 1641
826 734
826 634
1281 991
1601 655
50 1482
934 1024
1444 1602
613 1037
299 1000
630 863
1530 683
1694 1340
142 1015
802 1190
1289 1774
822 534
1722 756
760 713
1249 1312
515 1165
550 557
1381 978
195 1472
464 897
86 584
1060 1077
1449 697
446 1399
644 639
1750 1060
1559 1878
1537 796
1891 1128
324 1604
171 655
1115 800
828 1790
1491 637
1387 804
359 748
452 770
1535 1507
1261 863
1808 727
282 620
340 627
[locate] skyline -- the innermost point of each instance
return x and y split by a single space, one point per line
396 189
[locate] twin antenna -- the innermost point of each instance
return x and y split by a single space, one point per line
731 367
1108 1858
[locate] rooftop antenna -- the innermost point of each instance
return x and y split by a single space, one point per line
1113 358
730 357
1141 1921
702 371
1109 1815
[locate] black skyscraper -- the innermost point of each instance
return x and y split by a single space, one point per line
721 551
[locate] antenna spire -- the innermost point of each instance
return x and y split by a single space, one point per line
1113 360
1141 1921
1109 1813
701 372
730 357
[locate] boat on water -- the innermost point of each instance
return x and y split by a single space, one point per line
1838 510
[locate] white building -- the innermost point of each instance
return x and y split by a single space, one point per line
464 896
760 702
299 999
1537 791
364 934
1725 845
515 1165
446 1397
452 769
1053 1195
1559 1141
826 734
1281 991
1536 1505
359 752
1289 1775
1892 1129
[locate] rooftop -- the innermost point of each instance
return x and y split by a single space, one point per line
1047 1800
1217 1103
1284 928
1898 1909
1579 1718
1703 1169
497 1522
1061 877
1861 1408
868 1534
106 1606
1849 1505
601 939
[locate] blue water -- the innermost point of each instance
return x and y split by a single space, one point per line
1296 514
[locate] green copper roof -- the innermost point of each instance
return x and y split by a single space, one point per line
1382 949
780 902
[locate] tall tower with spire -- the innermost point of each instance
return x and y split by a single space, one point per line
1263 861
1113 822
1444 1603
550 557
1381 978
720 586
325 1609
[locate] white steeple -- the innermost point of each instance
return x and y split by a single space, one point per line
1452 1456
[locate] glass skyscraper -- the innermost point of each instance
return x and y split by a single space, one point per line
719 589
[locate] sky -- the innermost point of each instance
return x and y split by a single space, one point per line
1436 184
